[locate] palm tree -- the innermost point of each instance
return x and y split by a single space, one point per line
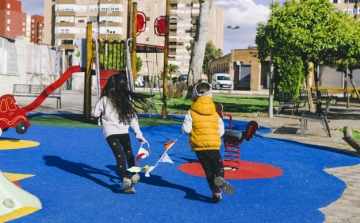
173 68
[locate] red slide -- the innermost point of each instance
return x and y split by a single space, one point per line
52 87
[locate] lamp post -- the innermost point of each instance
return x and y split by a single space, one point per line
57 58
232 51
271 90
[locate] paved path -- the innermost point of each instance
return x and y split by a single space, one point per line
284 126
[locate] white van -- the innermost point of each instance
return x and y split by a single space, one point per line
222 81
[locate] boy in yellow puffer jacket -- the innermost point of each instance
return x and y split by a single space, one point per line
205 127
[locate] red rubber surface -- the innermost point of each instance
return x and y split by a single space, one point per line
245 170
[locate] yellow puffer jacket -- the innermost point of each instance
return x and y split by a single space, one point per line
205 128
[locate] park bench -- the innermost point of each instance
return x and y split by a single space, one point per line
284 103
34 90
317 117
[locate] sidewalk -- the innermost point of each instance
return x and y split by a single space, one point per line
283 126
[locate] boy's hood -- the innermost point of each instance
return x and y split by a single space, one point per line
196 95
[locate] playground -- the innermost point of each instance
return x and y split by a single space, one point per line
71 170
57 167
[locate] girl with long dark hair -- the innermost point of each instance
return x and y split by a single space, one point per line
116 108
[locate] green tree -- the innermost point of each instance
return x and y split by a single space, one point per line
173 68
211 53
288 75
349 52
139 64
313 30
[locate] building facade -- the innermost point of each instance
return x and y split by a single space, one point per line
66 20
36 29
249 73
12 19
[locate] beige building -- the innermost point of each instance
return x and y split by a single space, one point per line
249 73
66 20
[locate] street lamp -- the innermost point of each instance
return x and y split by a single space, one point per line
232 51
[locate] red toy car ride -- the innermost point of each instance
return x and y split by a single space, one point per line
11 115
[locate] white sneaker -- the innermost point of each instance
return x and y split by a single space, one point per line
135 178
126 183
130 191
224 185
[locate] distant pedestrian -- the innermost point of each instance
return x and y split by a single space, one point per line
206 128
116 108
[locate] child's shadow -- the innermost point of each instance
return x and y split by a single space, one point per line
83 170
156 180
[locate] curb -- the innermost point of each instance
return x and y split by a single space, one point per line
348 137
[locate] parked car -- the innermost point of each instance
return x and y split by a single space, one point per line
12 115
139 82
182 77
222 81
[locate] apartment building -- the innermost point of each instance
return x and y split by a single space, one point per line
350 6
36 29
66 20
12 19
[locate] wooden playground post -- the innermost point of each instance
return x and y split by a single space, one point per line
134 33
87 76
129 20
166 53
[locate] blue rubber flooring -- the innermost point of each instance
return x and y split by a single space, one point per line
76 179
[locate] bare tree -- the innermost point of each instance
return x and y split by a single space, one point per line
197 56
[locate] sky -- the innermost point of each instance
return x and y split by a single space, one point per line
243 13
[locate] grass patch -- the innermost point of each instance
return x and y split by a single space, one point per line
82 122
356 134
231 104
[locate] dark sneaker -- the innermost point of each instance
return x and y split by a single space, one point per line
216 197
224 185
135 178
126 183
130 191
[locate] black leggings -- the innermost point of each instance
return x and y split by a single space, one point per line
121 146
212 164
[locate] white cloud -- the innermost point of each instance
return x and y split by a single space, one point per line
246 14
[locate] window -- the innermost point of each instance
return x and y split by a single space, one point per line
80 19
66 41
8 28
8 12
147 8
147 39
8 21
147 18
335 1
93 19
8 5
